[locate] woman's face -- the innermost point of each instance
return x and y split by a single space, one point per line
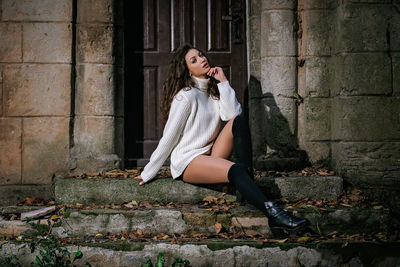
197 63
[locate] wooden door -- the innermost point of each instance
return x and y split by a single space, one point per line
153 29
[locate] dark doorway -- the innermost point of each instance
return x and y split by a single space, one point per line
153 29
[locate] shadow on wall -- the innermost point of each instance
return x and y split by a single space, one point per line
275 146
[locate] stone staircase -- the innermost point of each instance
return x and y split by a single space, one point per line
97 207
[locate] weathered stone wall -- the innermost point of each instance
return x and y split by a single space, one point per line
365 97
35 91
342 58
61 90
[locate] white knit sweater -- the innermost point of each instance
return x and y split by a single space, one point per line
192 126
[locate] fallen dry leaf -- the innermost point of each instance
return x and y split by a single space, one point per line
251 233
210 199
217 227
303 239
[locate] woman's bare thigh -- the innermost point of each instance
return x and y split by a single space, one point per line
205 169
223 144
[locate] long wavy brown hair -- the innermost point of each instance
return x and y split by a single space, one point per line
178 78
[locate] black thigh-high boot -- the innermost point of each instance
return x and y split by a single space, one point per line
242 149
279 221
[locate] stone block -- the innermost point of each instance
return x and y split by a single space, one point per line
279 76
254 42
365 118
96 11
317 4
13 228
95 90
149 221
278 119
37 10
394 31
10 45
13 194
94 136
278 4
32 90
10 151
216 253
368 163
317 32
319 187
95 44
363 74
255 7
255 69
318 74
278 33
106 191
396 73
314 119
362 28
317 152
45 149
47 42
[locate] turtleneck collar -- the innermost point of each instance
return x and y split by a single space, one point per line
200 83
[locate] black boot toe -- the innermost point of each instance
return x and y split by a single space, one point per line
280 221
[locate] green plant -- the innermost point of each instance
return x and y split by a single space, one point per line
56 256
51 253
178 262
10 261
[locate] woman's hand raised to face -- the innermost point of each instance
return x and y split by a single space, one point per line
217 73
139 178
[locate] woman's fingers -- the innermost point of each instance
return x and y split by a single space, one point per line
217 73
214 71
139 178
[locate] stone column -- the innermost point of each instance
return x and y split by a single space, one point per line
98 126
273 51
255 95
315 76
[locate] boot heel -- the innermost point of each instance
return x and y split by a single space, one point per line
279 233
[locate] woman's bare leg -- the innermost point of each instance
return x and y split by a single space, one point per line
207 170
223 145
213 169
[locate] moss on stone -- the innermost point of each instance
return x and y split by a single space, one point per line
123 246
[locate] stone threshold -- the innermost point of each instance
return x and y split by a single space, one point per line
120 190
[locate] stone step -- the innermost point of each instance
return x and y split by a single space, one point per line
354 220
120 190
224 253
180 218
81 222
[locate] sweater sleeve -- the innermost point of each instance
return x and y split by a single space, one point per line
229 107
178 114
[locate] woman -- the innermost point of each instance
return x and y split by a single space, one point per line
196 98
